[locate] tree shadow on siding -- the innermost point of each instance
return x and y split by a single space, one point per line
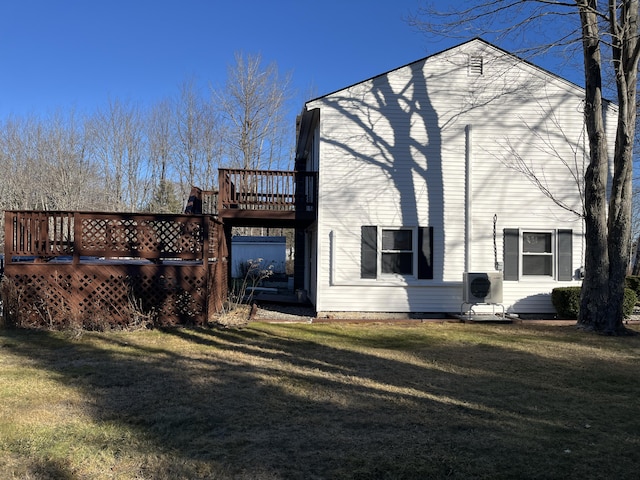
391 124
396 131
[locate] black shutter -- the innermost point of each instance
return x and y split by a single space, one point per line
511 253
368 252
565 255
425 252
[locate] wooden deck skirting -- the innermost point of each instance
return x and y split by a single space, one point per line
104 267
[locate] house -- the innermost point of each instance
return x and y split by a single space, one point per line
450 183
468 160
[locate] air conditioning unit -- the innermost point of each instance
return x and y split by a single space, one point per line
482 287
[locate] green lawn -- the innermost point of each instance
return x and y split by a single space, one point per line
300 401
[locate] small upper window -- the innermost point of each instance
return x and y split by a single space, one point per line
476 65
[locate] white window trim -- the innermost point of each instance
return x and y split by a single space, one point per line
414 256
553 254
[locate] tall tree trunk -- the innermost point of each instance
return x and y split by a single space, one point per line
624 40
595 291
608 240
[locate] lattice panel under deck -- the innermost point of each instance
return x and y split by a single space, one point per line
105 294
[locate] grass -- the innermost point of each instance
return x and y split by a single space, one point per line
298 401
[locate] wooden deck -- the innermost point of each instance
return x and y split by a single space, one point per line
90 266
87 265
266 196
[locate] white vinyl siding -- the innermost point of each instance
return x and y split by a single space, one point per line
393 152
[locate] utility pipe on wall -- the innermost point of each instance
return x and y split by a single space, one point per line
468 157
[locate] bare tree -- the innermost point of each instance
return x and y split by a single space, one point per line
161 143
198 144
542 25
253 103
45 166
548 139
72 181
118 146
17 159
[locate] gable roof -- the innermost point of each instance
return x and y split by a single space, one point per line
308 118
455 47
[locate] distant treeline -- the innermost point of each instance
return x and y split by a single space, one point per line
128 157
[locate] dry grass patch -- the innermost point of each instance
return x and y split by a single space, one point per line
289 401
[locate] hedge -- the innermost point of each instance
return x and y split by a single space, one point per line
633 282
566 301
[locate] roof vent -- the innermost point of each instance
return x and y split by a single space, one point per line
476 66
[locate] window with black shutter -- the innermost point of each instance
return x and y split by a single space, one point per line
565 255
511 254
531 253
406 252
425 252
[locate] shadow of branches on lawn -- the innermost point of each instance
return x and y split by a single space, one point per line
267 403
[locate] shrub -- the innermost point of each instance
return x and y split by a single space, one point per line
629 301
566 301
633 282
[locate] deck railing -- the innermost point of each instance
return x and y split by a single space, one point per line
277 190
202 201
46 235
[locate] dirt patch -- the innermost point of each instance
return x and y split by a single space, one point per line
243 314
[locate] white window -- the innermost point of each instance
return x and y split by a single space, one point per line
401 251
396 254
537 253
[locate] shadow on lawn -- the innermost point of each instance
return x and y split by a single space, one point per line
254 404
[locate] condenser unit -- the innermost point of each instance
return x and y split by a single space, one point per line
482 287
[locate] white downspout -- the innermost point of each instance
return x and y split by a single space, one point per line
467 197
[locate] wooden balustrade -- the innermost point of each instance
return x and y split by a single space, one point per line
266 191
89 264
47 235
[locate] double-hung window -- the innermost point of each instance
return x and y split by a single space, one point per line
530 253
537 253
396 252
